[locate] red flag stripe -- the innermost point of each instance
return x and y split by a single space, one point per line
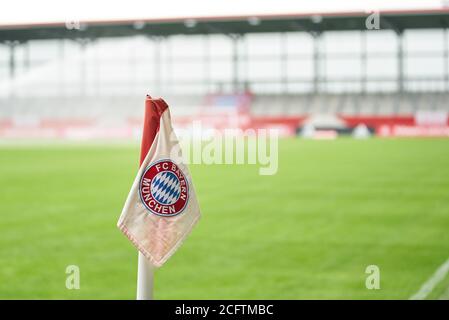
154 108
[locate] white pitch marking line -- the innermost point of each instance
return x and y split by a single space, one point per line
430 284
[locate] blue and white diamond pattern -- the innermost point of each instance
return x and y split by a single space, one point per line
165 188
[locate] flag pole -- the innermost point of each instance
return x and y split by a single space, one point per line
145 272
144 279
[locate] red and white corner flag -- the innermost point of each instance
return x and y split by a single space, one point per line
161 208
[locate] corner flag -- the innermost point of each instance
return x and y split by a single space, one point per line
161 208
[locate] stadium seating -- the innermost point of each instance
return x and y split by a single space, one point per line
379 104
125 107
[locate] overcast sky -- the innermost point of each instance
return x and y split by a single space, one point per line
32 11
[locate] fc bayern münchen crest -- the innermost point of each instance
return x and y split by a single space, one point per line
164 189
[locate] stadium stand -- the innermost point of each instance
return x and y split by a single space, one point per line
124 107
96 83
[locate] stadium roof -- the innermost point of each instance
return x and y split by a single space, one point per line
397 20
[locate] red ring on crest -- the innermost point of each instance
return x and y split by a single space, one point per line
146 186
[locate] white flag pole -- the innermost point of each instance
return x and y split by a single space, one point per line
145 275
144 268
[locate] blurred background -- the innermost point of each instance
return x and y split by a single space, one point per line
333 69
73 78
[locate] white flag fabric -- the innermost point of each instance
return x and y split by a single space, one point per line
162 207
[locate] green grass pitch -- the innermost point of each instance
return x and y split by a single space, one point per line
308 232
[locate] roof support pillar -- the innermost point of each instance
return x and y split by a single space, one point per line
61 70
26 55
284 62
363 61
12 59
11 62
400 59
83 69
235 62
316 60
157 80
168 85
446 59
206 64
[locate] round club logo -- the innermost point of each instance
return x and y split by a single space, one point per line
164 189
